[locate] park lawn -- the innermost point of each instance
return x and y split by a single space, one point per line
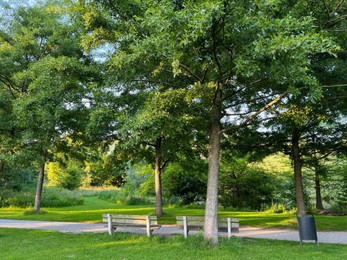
40 244
93 207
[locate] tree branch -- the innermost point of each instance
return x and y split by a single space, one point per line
334 86
273 102
337 7
338 19
327 8
190 72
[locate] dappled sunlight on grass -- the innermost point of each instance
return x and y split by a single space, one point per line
127 246
93 207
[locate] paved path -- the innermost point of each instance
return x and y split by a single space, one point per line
166 230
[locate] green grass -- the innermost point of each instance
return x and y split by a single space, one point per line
93 207
38 244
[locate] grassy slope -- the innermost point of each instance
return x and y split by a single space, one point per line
38 244
93 208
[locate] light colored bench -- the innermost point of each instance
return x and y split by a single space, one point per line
115 221
230 225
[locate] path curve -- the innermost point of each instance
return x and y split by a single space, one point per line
335 237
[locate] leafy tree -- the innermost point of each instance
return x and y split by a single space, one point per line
104 168
226 54
49 80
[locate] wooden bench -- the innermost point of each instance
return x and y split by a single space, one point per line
115 221
230 225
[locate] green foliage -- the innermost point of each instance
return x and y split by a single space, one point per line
341 200
279 167
185 180
138 177
59 198
124 197
94 206
65 176
104 168
244 187
50 198
47 75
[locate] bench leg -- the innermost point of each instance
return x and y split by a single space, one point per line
229 227
109 224
185 227
148 226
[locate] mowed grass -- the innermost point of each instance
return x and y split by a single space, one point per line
39 244
93 207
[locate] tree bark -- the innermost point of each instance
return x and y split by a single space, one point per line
299 191
211 211
2 165
319 202
40 181
157 179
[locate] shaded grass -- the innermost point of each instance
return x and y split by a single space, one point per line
93 207
39 244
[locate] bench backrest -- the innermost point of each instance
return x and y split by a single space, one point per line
192 221
223 222
130 219
200 221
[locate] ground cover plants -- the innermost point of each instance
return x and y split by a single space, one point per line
126 246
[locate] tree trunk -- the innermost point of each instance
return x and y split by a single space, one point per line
40 180
2 165
211 211
299 191
157 178
319 202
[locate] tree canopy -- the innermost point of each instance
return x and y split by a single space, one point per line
174 82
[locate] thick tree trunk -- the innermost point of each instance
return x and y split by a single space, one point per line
299 191
319 202
157 178
211 211
40 180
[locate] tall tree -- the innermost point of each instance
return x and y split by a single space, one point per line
226 54
48 77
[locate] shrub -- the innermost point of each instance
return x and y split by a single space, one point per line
51 197
186 180
173 201
244 187
68 177
277 208
124 197
60 198
135 200
108 195
20 199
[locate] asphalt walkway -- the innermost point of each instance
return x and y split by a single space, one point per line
166 230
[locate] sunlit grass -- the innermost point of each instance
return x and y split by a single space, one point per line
93 207
40 244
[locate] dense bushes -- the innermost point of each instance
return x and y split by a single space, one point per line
124 197
14 180
249 190
186 180
244 187
51 197
65 176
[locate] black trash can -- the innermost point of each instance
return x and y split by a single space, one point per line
307 228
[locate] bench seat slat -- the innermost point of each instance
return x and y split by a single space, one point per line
132 225
117 216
